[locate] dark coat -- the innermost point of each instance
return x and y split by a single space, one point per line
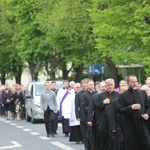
20 97
136 136
117 125
85 101
104 120
93 114
78 98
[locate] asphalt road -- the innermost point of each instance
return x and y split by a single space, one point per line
22 135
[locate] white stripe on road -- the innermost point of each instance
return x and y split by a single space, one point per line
44 138
7 121
26 129
62 146
34 133
15 144
13 124
20 127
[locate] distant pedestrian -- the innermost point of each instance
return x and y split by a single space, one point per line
2 111
6 100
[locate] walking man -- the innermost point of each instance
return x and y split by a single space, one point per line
135 107
48 106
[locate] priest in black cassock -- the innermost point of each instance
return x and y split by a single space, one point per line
135 107
85 101
102 109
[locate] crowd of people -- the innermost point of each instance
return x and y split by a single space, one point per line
101 116
12 102
96 114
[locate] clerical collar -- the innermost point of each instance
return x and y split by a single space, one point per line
90 91
65 88
53 89
131 89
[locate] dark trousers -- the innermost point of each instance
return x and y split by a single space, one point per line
56 122
23 112
49 117
65 126
84 129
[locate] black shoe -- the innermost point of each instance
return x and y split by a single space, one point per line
66 135
77 142
48 135
53 135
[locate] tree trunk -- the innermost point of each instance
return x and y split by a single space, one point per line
65 72
50 66
34 68
112 70
3 78
18 77
78 76
17 69
50 70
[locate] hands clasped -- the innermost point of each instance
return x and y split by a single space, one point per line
106 101
136 106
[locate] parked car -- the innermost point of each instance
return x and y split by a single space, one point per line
32 100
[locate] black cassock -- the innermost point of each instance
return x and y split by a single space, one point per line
136 135
104 137
117 125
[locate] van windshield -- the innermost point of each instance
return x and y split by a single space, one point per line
39 88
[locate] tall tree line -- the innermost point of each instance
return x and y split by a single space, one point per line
50 34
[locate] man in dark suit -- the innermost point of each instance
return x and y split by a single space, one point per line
48 107
53 88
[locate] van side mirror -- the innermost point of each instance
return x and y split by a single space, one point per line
28 96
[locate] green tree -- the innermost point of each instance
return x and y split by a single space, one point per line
11 64
122 29
68 28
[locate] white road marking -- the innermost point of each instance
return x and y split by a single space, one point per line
20 127
62 146
26 129
44 138
2 119
7 121
34 133
15 145
13 124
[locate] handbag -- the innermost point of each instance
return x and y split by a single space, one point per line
8 100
